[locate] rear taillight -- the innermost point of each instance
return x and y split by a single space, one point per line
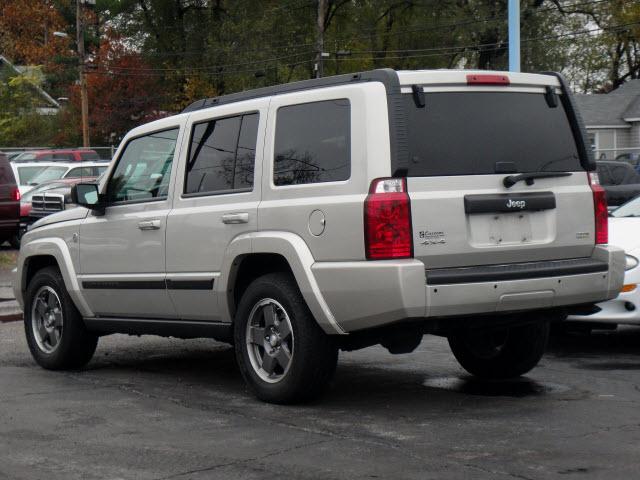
15 194
600 209
387 220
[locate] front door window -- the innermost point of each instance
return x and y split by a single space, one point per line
144 169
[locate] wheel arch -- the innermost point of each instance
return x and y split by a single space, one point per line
42 253
258 253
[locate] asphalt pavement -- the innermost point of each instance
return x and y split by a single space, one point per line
156 408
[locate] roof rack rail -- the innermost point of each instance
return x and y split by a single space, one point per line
387 76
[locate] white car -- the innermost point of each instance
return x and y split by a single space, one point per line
30 174
624 232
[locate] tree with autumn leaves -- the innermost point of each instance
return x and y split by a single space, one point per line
119 99
150 58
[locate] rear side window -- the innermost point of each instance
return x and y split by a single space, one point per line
468 133
313 143
82 172
222 155
89 156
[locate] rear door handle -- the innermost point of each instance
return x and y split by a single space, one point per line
233 218
149 225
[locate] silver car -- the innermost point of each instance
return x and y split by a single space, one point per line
339 213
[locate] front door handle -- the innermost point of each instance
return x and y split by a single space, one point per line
232 218
149 225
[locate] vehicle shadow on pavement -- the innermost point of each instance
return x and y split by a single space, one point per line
600 349
377 383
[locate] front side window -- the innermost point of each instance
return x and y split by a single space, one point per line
144 169
222 155
313 143
80 172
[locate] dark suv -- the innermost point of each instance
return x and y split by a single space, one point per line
9 203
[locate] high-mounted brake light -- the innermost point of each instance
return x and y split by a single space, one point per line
600 209
387 220
483 79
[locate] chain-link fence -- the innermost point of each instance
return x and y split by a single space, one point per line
105 153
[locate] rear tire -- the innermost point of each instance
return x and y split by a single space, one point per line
500 354
283 355
56 334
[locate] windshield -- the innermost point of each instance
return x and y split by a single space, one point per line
468 133
26 156
49 173
25 174
629 209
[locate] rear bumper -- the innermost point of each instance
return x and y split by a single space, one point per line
372 294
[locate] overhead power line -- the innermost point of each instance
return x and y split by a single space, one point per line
365 34
369 55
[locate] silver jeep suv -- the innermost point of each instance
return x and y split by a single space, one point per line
338 213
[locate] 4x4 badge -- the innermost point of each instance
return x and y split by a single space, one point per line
431 238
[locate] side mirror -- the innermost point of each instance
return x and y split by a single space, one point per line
86 195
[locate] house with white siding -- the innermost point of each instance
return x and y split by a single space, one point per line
613 120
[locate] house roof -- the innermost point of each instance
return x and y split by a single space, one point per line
48 99
611 108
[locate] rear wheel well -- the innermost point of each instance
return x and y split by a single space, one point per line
251 267
36 263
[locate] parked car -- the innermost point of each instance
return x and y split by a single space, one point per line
57 187
329 214
9 203
632 159
30 174
69 170
624 232
620 180
59 155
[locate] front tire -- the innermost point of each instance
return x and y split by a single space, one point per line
500 353
55 331
283 355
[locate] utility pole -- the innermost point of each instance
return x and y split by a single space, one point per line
84 100
322 13
514 35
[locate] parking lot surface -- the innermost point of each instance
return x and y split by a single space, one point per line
155 408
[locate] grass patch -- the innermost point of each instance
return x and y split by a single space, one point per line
8 259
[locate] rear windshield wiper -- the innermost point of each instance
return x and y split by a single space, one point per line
511 180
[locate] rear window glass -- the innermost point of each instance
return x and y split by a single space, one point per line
313 143
467 133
